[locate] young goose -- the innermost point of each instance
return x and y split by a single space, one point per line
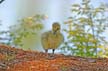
52 39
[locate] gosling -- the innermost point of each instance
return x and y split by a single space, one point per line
52 39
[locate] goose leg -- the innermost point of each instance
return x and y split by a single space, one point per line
46 50
51 56
53 50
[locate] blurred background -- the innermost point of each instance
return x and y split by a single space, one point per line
57 11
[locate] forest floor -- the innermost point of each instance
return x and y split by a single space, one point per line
13 59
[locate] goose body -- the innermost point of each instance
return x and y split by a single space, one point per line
51 40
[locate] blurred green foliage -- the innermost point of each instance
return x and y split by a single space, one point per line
27 31
87 25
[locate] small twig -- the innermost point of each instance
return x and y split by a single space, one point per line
1 1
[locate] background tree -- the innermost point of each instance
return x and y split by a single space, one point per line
27 31
3 33
87 25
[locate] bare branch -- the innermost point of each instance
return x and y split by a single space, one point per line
1 1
